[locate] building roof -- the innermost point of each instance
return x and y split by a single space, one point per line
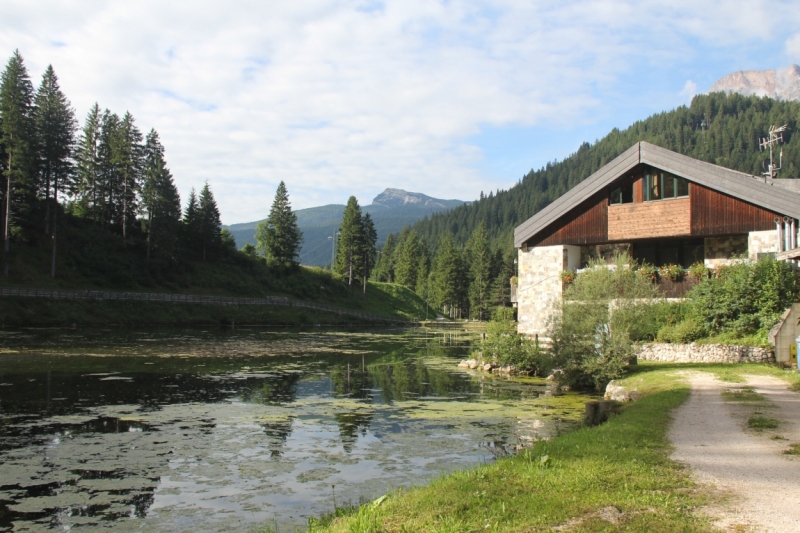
739 185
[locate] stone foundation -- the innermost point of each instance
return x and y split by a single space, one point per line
703 353
720 250
762 242
540 287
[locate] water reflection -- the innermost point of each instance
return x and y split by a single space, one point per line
217 430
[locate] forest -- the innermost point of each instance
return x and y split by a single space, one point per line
462 260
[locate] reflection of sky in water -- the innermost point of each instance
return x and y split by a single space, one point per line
220 430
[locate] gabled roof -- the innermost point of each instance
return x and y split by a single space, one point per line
743 186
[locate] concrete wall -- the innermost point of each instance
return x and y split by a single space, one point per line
762 242
783 334
540 288
703 353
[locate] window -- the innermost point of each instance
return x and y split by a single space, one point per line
622 194
659 185
669 252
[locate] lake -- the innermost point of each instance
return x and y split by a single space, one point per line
209 430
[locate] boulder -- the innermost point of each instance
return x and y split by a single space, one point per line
487 367
618 393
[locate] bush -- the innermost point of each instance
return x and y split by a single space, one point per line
671 272
684 332
504 346
744 297
698 271
591 336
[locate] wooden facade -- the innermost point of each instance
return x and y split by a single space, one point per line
663 218
714 213
587 224
704 213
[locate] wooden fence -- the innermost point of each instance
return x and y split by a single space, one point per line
196 299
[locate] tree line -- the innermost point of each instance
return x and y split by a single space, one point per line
719 128
106 172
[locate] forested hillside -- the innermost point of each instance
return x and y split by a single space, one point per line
461 260
718 128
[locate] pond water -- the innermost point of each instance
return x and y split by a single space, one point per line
223 430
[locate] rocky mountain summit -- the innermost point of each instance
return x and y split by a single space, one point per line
399 197
780 84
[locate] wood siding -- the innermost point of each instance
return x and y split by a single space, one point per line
586 224
714 213
662 218
638 194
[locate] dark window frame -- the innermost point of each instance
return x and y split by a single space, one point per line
679 187
622 194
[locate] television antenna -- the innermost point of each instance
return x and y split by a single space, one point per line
775 137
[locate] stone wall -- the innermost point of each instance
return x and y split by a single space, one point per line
540 288
762 242
720 250
703 353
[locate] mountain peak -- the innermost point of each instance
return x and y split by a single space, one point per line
398 197
780 84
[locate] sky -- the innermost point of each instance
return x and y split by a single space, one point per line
340 98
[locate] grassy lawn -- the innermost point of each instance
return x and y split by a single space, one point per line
614 477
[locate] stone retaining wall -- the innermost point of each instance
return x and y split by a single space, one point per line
704 353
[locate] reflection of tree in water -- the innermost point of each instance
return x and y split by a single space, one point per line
351 425
275 390
351 381
278 432
412 378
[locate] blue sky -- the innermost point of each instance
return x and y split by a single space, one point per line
335 98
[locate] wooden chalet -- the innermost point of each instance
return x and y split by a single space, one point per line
660 207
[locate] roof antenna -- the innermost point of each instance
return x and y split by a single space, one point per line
775 137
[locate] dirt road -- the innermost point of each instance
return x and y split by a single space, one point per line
711 435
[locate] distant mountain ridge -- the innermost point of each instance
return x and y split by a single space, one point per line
780 84
391 210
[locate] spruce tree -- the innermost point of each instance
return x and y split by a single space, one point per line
349 244
191 224
406 269
384 270
448 276
209 225
17 135
278 237
110 181
368 252
128 162
88 179
160 200
480 264
55 125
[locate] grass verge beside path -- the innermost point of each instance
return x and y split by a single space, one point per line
614 477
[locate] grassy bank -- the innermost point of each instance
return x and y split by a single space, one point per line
614 477
64 313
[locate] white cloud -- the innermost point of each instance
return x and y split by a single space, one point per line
339 98
793 47
689 90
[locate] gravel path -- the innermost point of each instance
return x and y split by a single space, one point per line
710 435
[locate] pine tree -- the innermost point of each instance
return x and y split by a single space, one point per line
349 244
109 183
88 180
55 125
191 224
448 276
160 200
278 237
128 162
406 269
384 270
368 252
480 264
17 135
210 224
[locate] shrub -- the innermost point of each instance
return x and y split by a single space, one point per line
505 346
568 277
744 297
684 332
591 336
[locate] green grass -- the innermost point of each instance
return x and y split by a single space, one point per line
613 477
760 423
746 394
93 259
793 449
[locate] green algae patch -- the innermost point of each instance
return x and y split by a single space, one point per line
613 477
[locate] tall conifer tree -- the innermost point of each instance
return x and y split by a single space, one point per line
17 135
55 125
368 252
160 200
209 224
480 267
88 179
278 237
349 245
